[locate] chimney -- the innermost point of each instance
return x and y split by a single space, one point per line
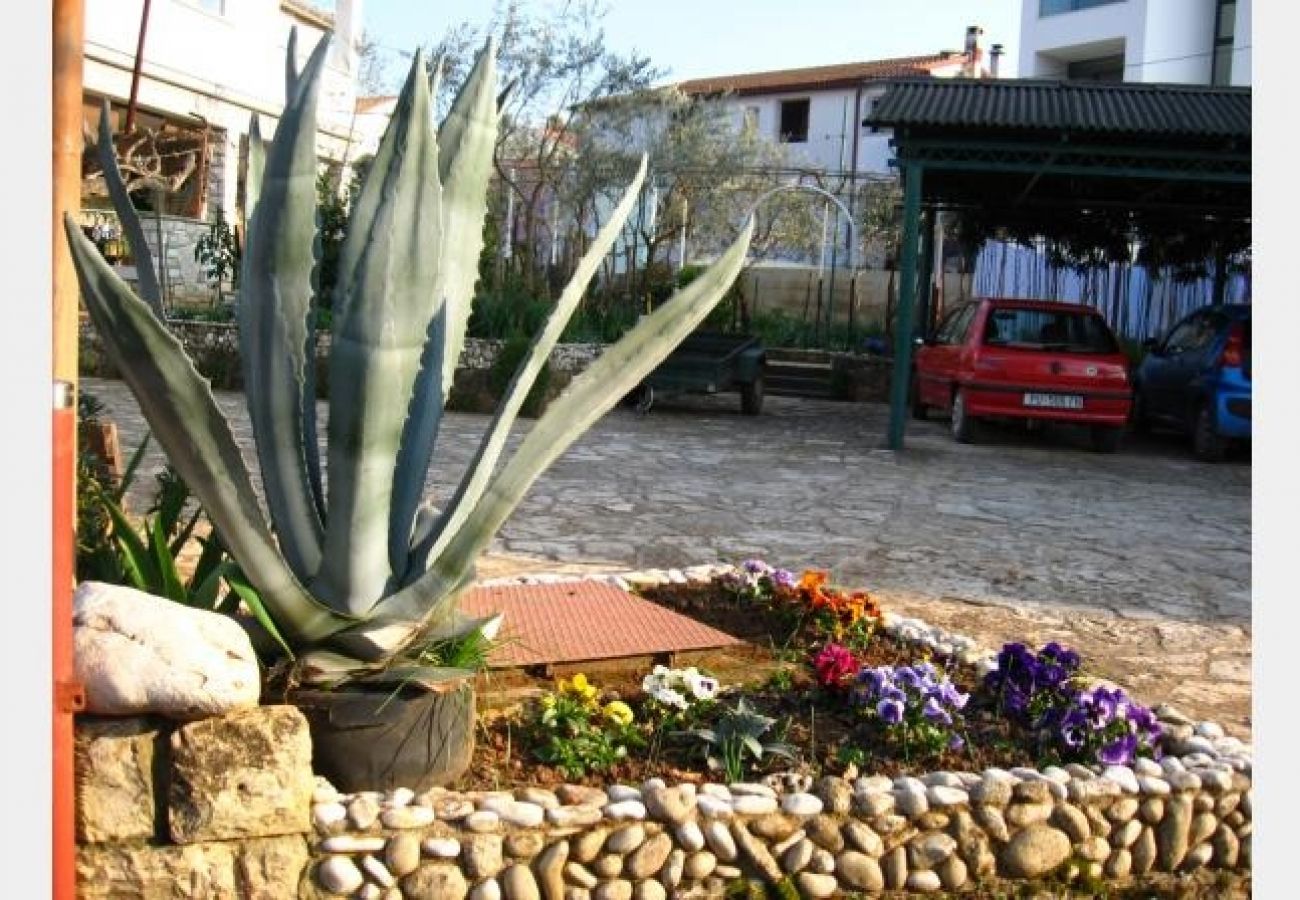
974 53
995 58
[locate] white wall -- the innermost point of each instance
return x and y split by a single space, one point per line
1047 42
1177 42
1163 40
1241 74
218 67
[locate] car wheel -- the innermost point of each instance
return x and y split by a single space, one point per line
1106 439
919 409
1207 444
963 426
751 397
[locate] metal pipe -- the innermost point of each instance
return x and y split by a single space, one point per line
135 70
68 34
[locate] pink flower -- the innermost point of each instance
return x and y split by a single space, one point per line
835 665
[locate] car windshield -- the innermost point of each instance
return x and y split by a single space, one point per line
1041 329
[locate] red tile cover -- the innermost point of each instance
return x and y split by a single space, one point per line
583 620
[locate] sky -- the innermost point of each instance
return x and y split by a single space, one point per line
695 38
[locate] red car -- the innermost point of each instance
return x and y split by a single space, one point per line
1027 360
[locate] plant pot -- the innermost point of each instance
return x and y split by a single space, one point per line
378 739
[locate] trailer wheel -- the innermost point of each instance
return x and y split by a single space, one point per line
645 399
751 397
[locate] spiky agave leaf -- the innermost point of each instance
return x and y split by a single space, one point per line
177 403
276 327
429 600
385 312
146 274
465 145
484 463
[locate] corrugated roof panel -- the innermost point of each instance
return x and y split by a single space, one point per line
1094 107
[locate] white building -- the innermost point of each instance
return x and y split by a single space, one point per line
818 111
208 66
1178 41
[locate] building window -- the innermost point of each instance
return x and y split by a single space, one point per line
1103 68
794 121
1225 31
216 7
1056 7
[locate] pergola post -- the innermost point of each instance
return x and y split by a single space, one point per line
907 286
925 273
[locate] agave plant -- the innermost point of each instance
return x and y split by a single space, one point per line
353 569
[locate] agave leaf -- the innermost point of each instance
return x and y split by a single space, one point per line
465 146
291 64
437 679
275 322
256 170
466 143
177 403
126 214
386 311
494 439
588 397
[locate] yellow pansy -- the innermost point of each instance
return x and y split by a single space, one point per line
582 687
618 712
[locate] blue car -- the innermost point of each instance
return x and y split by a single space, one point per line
1197 380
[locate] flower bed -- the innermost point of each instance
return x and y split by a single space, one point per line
999 806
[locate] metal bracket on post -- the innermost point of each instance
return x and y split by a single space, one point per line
69 696
65 394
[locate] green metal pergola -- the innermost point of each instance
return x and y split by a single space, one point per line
1027 152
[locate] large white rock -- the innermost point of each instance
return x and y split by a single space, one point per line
137 653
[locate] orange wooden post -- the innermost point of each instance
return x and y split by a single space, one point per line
69 27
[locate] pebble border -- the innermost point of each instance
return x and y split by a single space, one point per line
941 831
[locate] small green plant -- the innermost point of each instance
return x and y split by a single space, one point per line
735 742
577 734
781 680
217 252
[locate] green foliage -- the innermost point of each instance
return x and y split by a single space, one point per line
575 733
332 208
96 559
735 742
360 579
218 252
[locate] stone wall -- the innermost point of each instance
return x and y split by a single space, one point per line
228 807
219 808
214 347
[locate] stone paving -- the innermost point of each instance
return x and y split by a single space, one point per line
1142 558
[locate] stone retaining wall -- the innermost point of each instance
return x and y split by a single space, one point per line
214 347
228 807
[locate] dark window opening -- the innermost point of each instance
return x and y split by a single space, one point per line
1056 7
1104 68
1225 29
794 121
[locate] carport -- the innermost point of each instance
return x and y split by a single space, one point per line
1101 164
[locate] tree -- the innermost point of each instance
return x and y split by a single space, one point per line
554 61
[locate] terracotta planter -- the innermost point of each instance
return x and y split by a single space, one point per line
378 740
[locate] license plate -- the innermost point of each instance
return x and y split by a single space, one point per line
1054 401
